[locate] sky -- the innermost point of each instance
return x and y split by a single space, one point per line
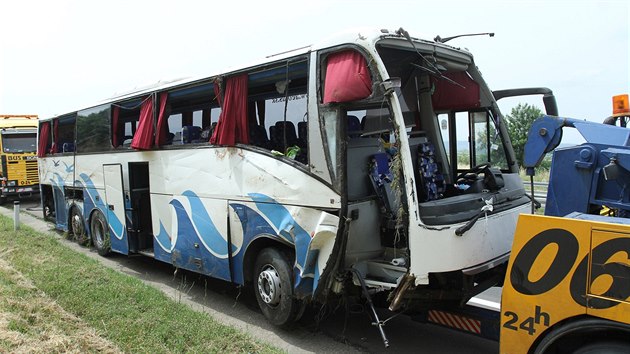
61 55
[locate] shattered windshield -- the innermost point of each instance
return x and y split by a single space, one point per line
443 101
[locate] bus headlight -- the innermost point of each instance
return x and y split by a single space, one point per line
11 183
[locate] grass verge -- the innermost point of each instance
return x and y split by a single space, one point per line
47 288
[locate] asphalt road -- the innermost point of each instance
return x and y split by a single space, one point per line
330 329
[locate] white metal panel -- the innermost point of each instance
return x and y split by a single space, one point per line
436 249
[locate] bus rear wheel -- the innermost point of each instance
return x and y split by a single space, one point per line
77 227
100 234
273 286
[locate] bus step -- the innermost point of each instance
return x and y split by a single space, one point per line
373 283
148 253
380 274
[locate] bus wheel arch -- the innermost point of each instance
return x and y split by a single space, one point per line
99 232
259 243
77 225
585 335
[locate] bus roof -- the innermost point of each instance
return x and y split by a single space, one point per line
363 37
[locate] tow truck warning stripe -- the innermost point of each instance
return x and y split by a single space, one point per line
455 321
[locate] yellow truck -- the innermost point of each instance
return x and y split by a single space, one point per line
18 156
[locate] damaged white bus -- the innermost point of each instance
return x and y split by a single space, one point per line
374 164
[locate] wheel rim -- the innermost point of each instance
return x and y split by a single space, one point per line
269 285
77 225
98 232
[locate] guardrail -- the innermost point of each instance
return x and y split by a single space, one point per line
540 191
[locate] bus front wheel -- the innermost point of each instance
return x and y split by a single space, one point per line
273 286
100 234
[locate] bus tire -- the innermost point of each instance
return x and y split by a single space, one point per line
77 226
273 286
100 234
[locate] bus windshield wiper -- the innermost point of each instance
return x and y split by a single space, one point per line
434 70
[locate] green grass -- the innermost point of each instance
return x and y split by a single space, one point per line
120 308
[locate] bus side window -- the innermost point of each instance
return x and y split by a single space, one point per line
62 133
277 106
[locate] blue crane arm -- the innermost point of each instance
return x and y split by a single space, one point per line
546 133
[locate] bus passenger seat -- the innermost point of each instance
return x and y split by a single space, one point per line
302 128
67 147
354 127
190 133
284 129
258 136
381 177
431 177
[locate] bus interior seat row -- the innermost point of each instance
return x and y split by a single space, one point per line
279 133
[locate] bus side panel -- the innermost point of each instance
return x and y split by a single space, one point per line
310 232
192 233
94 199
540 284
58 172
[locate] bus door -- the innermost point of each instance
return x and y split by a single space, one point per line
61 207
115 202
139 231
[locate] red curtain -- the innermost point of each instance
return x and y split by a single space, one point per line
115 127
44 134
162 125
143 137
55 143
232 127
347 77
449 96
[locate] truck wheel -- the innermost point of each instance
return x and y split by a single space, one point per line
100 234
611 347
273 286
77 226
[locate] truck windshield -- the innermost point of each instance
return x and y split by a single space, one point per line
22 142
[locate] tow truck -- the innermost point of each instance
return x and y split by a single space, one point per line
567 283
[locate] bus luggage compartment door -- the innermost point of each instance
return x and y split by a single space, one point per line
115 213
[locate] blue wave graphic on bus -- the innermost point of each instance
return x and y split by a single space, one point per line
198 224
59 181
208 233
251 222
117 227
288 228
164 239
